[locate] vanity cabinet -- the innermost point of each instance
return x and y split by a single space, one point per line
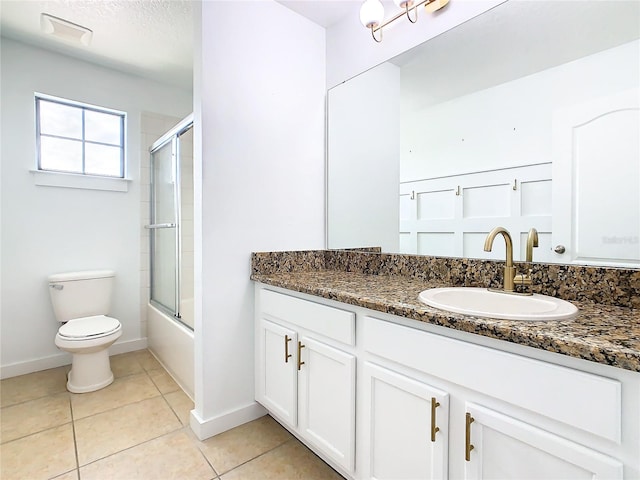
406 400
278 387
306 373
491 410
406 427
501 446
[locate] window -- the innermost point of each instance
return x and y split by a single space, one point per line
78 138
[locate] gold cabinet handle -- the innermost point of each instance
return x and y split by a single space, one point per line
434 429
467 437
287 355
300 362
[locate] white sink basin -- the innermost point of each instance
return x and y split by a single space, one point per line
481 302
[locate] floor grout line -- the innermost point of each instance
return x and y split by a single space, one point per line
48 394
133 446
75 441
179 429
33 399
260 455
215 472
124 405
173 410
119 406
35 433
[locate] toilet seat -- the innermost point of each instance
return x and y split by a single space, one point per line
89 328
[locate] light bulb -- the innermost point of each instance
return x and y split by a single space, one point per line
371 13
404 3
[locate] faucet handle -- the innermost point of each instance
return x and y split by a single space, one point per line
523 278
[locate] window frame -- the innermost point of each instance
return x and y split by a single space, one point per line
83 107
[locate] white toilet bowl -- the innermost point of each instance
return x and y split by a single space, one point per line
88 339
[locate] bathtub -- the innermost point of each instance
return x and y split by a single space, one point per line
172 344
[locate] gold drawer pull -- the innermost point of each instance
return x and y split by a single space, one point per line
300 362
467 436
434 429
287 355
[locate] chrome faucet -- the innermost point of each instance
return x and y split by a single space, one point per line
509 269
532 241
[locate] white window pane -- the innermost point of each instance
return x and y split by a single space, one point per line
61 120
102 127
102 160
60 154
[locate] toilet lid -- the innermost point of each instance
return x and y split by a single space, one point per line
89 327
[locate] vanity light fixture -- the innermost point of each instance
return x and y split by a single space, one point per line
372 13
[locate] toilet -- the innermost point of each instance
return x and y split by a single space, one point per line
81 301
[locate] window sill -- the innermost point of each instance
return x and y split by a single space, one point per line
72 180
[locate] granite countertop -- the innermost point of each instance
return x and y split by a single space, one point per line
601 333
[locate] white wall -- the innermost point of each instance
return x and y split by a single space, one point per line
496 133
259 152
363 175
351 50
50 229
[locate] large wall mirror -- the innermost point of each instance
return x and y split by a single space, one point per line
527 116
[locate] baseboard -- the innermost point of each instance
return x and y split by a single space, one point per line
64 358
30 366
215 425
128 346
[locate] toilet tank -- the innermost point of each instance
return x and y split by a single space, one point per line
81 294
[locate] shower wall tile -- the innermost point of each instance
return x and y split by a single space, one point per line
187 212
144 297
169 122
144 279
187 261
187 227
143 323
145 191
144 242
145 177
149 139
186 173
145 212
155 123
187 247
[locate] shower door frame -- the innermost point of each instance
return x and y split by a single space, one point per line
172 136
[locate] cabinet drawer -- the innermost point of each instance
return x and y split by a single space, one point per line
582 400
328 321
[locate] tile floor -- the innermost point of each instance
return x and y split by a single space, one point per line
136 428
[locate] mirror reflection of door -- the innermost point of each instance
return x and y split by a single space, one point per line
477 107
596 181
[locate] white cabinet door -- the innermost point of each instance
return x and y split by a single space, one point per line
406 425
506 448
326 399
277 376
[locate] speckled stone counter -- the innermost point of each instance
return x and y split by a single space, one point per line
605 332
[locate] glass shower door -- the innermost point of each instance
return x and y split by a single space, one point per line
164 230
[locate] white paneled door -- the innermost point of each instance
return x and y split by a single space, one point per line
596 187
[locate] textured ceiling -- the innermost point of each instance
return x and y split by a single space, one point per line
151 38
154 38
